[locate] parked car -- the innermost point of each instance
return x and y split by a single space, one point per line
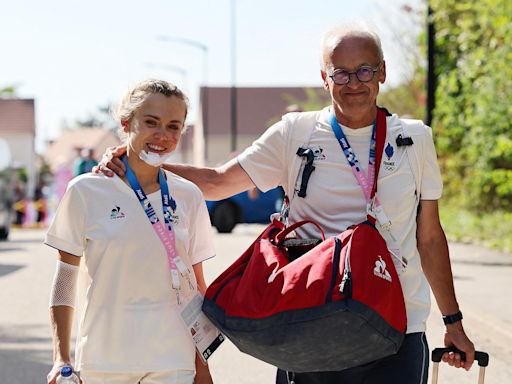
6 192
247 207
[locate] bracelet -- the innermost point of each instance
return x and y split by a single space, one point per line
450 319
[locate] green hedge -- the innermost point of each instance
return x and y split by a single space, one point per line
492 230
472 118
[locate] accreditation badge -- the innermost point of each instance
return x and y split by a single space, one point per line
399 261
205 335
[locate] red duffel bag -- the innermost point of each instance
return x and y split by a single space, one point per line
337 306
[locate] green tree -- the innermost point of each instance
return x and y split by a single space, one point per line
315 99
408 98
474 101
8 92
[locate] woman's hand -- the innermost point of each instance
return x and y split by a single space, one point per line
54 373
111 162
203 375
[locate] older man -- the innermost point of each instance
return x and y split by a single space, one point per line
408 190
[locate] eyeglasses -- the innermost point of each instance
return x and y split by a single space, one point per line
364 74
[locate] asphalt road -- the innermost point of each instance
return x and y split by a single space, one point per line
483 283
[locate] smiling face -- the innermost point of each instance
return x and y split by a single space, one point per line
156 126
354 103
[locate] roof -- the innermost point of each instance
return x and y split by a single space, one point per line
17 116
63 151
257 107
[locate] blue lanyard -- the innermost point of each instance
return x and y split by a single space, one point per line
168 239
345 145
168 203
373 207
366 182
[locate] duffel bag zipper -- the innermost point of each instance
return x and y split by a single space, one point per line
335 268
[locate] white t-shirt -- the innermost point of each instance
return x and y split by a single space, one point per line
335 200
128 314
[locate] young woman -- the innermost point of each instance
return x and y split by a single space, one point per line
137 243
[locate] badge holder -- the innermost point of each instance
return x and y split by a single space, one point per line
204 334
377 211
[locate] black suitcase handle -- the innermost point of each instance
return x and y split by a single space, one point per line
481 357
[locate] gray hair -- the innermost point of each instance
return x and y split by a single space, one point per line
333 37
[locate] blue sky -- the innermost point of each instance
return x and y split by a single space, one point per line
73 56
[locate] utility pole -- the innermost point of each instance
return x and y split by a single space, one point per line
233 95
431 72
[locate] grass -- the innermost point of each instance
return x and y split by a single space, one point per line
492 230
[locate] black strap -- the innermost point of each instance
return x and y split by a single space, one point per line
403 141
308 169
310 156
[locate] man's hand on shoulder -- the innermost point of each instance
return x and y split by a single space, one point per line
111 162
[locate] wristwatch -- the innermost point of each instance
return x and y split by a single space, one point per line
450 319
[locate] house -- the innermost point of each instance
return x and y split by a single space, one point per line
257 108
63 151
18 128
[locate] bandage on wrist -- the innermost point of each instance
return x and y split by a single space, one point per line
63 291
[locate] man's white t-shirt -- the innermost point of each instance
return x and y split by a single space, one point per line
335 200
128 314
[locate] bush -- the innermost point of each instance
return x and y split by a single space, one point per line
488 229
474 101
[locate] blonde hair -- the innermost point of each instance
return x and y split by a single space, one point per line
136 96
333 37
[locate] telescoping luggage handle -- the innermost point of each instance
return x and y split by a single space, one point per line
481 357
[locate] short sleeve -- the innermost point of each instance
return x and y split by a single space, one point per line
264 161
201 235
431 182
67 231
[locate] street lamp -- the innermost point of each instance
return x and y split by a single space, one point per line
191 43
204 50
169 67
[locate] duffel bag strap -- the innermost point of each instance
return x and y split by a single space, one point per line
379 149
280 236
381 139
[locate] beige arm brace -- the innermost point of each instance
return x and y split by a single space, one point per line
63 290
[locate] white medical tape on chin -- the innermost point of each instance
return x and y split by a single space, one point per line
63 290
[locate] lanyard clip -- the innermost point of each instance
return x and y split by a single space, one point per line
181 266
178 300
190 285
175 279
376 210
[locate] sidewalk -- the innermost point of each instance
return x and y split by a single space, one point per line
483 284
482 279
